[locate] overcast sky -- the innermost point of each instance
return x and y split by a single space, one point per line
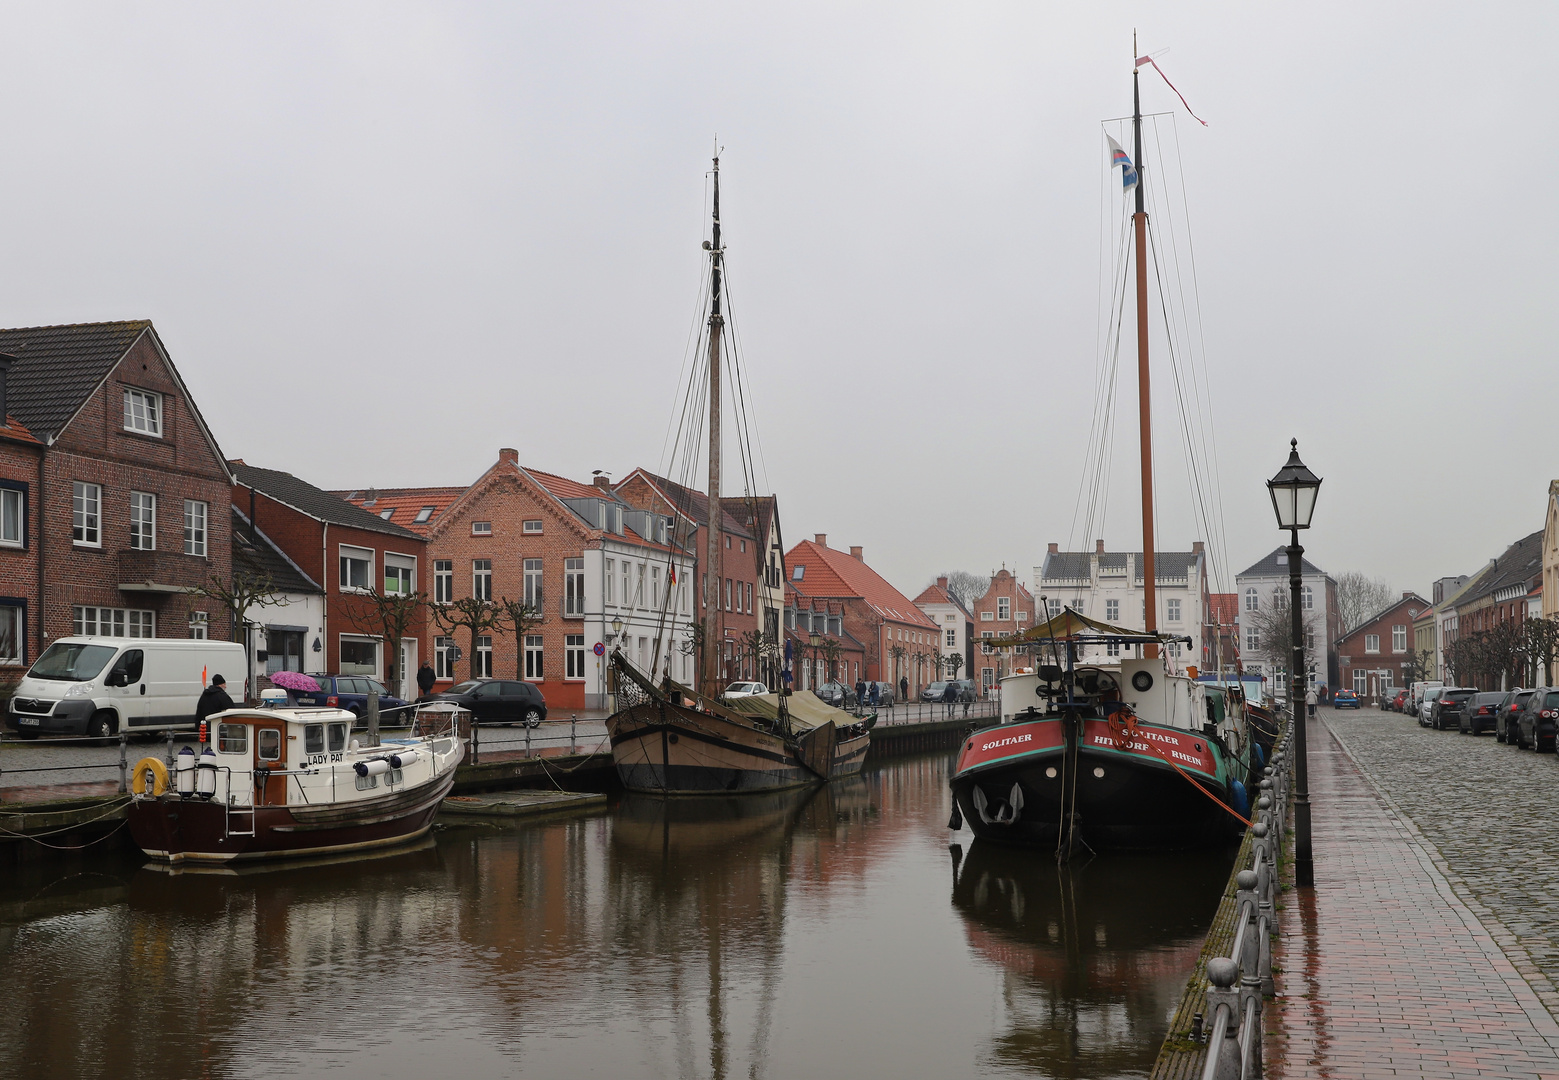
383 240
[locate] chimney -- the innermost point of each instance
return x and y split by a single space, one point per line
856 552
1055 549
941 583
1098 547
509 454
604 483
820 539
6 360
1196 547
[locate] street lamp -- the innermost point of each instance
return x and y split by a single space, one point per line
1293 492
815 640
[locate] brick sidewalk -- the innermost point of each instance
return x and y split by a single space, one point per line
1385 971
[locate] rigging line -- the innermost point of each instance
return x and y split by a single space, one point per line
736 336
1099 508
687 356
1104 383
667 462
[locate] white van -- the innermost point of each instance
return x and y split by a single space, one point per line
98 686
1420 688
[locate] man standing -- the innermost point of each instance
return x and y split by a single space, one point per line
213 699
1310 700
903 687
425 680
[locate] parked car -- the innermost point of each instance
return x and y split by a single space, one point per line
1345 699
1481 711
1426 700
745 689
1397 703
498 701
1419 691
885 694
1539 720
967 690
1509 714
1445 712
350 692
934 691
837 694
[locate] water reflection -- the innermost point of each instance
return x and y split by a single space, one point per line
1094 956
801 933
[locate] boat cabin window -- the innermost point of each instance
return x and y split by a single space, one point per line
233 738
337 737
314 739
268 744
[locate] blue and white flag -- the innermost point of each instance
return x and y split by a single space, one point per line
1119 157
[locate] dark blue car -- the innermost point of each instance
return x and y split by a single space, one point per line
350 692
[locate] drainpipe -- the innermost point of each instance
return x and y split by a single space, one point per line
324 581
43 548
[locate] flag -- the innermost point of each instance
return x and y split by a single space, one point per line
1149 60
1119 157
673 574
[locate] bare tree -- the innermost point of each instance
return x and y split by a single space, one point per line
1273 623
954 661
1415 668
388 616
965 587
245 591
520 617
1541 645
1359 597
468 613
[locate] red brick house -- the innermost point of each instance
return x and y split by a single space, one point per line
1371 655
122 490
1007 608
891 629
837 654
345 549
21 463
1224 631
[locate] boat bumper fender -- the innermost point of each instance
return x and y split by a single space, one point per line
184 769
1240 799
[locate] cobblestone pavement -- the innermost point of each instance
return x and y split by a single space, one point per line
1384 970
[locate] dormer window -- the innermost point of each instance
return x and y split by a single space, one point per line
798 573
386 515
143 412
422 516
481 528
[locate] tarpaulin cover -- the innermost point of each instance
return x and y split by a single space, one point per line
806 709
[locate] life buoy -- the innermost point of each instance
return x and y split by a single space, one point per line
159 777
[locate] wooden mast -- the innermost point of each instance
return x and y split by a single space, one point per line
714 622
1144 394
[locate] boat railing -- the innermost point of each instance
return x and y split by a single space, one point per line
1240 981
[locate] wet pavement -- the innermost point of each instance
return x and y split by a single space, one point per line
1386 971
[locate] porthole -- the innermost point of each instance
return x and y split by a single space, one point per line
1143 681
1098 770
673 737
1050 773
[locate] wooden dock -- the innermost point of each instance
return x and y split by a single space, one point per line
508 805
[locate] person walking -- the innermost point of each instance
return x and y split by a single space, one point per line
213 699
860 694
425 681
1310 700
903 687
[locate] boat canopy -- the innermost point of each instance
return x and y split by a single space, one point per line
1072 624
806 709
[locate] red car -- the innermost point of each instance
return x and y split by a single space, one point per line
1398 702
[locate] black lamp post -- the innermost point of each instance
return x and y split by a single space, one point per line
1293 492
816 641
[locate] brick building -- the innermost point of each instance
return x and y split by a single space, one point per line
1224 631
1006 609
751 582
837 654
122 491
1371 656
345 550
595 569
1502 593
897 638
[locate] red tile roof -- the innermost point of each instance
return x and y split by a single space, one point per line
405 502
564 488
933 594
15 429
1226 607
839 574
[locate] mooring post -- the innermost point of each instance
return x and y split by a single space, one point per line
124 739
476 737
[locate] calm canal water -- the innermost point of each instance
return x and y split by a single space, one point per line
823 933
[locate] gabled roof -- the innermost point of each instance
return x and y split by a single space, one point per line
1411 600
313 502
1270 567
16 431
58 367
403 503
1225 607
693 504
262 557
1516 564
831 573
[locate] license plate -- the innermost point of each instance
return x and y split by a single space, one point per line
29 721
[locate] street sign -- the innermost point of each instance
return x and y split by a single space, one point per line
600 649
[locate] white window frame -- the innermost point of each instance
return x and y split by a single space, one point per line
952 638
574 587
443 581
534 580
199 626
609 582
1372 643
1112 611
13 517
483 666
482 579
532 527
535 658
574 658
143 521
86 514
90 621
481 528
358 639
404 565
1172 609
443 666
1003 609
148 420
1252 599
348 554
197 519
1399 634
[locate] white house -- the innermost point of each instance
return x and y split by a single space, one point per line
1266 583
955 626
287 632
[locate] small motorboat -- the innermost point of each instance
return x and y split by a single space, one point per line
288 782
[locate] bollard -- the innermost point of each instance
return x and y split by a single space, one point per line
124 740
476 738
573 745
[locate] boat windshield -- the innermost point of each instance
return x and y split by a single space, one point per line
72 661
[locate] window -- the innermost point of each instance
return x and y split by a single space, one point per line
638 596
533 589
359 656
143 412
269 744
1252 599
199 625
609 579
798 573
533 656
1003 609
86 514
654 587
11 637
1112 611
482 579
1055 607
1399 638
1310 640
1371 643
143 521
195 527
574 656
314 738
111 622
986 616
627 594
423 515
443 581
400 574
365 783
1360 682
386 515
1023 616
1306 598
481 528
233 738
13 516
533 527
1172 609
984 648
1112 648
357 569
728 594
482 668
952 637
283 650
1252 639
443 665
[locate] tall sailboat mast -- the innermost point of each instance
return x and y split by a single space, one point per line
1144 393
713 621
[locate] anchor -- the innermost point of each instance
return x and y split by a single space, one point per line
1006 813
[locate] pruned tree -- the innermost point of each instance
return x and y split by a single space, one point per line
1415 668
244 591
388 616
966 587
469 613
520 618
1541 645
1360 596
898 652
831 652
954 661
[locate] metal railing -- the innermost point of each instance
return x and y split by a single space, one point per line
1241 980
